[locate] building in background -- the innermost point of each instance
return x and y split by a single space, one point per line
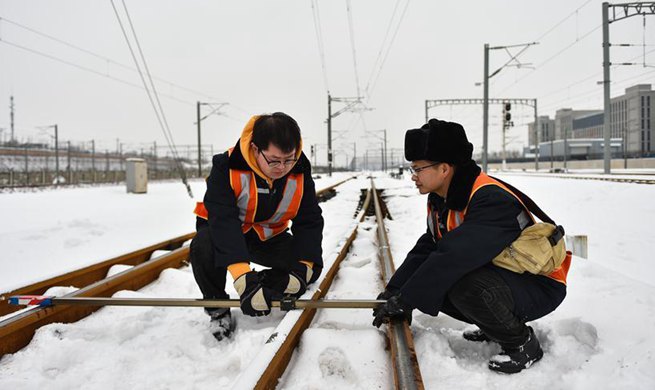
579 133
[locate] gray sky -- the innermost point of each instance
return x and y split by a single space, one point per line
263 56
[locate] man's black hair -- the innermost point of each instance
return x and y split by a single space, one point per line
278 129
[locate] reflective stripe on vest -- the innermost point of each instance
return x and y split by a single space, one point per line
200 210
245 192
455 218
286 210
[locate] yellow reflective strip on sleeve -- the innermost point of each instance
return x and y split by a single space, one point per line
238 269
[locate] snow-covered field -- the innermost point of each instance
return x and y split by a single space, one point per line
600 337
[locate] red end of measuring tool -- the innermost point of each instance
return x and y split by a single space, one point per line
29 300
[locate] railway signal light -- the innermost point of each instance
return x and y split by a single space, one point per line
507 115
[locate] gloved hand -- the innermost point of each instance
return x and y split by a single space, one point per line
293 283
255 298
394 308
386 294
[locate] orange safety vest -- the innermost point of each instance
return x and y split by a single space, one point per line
245 191
455 218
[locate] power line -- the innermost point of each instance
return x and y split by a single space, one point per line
553 28
96 55
109 61
81 67
393 38
352 44
166 130
575 12
597 74
541 65
319 38
382 46
582 95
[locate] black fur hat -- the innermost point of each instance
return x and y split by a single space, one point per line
438 141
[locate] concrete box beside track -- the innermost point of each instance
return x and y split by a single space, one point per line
136 176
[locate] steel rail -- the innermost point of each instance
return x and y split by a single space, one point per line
273 372
84 276
406 370
17 331
576 177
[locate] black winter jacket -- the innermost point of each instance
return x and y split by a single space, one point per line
432 267
224 223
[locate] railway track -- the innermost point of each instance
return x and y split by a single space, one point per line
16 332
277 352
635 180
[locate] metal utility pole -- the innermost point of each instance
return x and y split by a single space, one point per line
536 138
513 61
56 153
11 115
68 162
352 105
199 140
383 148
566 145
329 135
154 152
199 119
93 159
629 9
485 109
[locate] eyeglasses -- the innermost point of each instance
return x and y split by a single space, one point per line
277 163
415 171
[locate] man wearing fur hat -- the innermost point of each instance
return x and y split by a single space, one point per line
253 192
471 219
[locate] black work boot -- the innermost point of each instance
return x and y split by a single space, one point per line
475 335
515 359
221 324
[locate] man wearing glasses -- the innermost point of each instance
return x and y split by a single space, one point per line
471 218
253 193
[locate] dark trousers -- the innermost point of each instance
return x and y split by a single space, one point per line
274 253
486 298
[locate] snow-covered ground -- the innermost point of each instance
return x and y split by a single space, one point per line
600 337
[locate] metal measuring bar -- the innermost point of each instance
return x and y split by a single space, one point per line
286 304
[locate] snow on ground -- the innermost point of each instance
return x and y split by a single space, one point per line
49 232
600 337
330 354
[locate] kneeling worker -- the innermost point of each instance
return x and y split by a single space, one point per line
253 192
471 219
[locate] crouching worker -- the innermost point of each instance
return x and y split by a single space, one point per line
472 219
253 192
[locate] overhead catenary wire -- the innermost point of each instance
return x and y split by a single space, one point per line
549 59
84 68
597 74
553 28
101 57
382 47
160 115
108 61
352 45
369 92
319 39
584 95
